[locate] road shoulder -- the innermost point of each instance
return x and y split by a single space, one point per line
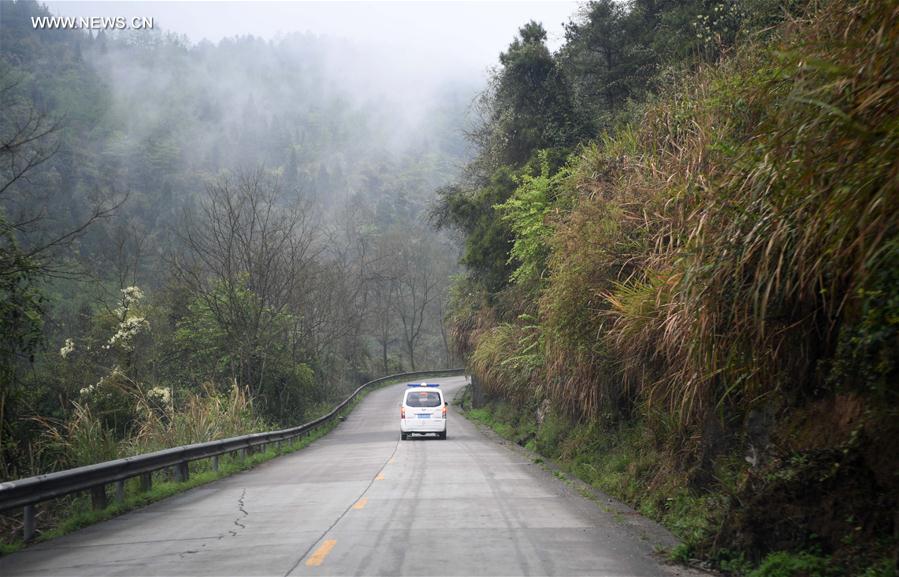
641 528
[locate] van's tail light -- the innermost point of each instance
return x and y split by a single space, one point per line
444 411
402 412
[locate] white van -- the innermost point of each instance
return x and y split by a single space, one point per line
423 410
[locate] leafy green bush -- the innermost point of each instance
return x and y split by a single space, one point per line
527 212
783 564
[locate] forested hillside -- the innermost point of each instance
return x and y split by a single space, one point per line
682 254
201 240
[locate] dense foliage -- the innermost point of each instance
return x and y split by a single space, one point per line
713 267
198 240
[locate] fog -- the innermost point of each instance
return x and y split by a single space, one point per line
435 38
332 124
407 71
392 61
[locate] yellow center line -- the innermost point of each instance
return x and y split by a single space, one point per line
380 477
319 556
360 503
391 461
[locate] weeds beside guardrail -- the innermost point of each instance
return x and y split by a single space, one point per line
94 478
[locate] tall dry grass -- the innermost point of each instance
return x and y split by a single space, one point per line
509 360
82 438
719 245
202 417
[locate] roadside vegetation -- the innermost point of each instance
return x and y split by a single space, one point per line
682 271
203 240
67 514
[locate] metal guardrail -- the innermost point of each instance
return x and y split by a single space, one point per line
32 490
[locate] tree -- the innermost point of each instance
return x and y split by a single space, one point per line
528 106
27 141
415 286
382 304
594 59
246 252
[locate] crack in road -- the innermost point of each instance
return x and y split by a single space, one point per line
240 507
342 515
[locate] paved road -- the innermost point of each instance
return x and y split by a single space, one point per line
362 502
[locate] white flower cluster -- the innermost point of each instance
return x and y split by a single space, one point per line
709 27
128 329
67 349
160 394
129 326
130 296
95 390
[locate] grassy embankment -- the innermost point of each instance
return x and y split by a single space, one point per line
715 337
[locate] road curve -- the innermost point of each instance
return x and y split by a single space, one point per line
362 502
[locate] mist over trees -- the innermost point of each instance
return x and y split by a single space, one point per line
180 221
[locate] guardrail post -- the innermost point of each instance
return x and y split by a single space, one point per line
120 491
98 497
28 523
182 472
215 462
146 481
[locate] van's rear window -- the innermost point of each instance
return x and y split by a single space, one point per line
422 399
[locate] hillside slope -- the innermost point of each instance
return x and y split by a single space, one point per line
701 311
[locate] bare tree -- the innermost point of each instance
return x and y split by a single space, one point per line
380 287
449 358
383 304
247 250
415 286
331 304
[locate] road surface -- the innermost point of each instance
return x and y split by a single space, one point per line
362 502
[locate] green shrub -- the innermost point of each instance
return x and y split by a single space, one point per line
783 564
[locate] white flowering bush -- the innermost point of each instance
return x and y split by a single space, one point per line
156 404
716 27
103 365
131 323
67 349
111 399
113 407
113 383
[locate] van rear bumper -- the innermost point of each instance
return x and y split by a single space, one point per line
422 425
